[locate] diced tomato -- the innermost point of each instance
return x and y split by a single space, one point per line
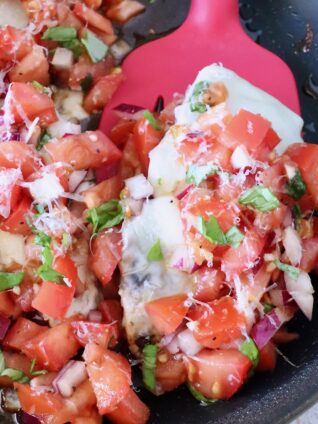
92 417
217 323
102 192
14 154
92 18
14 43
170 372
39 12
130 164
25 297
18 361
268 358
25 101
248 129
81 402
274 178
110 375
22 331
92 332
16 223
112 313
305 155
218 374
38 402
125 10
120 132
309 257
273 219
167 313
67 18
8 308
208 283
91 149
240 259
55 299
102 92
93 4
146 138
33 67
105 254
54 347
84 67
131 410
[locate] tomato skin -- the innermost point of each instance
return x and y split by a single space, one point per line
14 43
208 283
84 66
110 375
305 155
217 323
21 331
14 154
38 402
102 192
170 373
167 313
130 164
33 67
92 332
112 313
92 18
33 103
146 138
273 219
55 299
102 92
268 358
91 149
54 347
238 260
210 370
125 10
120 132
131 410
105 254
16 223
8 308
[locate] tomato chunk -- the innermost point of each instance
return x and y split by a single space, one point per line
268 358
92 332
8 308
14 154
25 101
92 18
170 373
33 67
14 43
120 132
38 402
102 92
167 313
102 192
131 410
209 283
106 254
54 347
110 375
55 299
91 149
217 322
16 223
218 374
21 331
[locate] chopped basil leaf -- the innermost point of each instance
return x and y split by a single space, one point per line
66 238
42 239
40 209
13 373
296 187
2 362
149 366
267 307
198 107
292 271
296 212
106 215
24 380
35 373
195 104
196 174
234 237
155 252
60 34
45 271
152 120
249 349
199 88
44 139
199 396
75 46
261 198
95 48
40 87
8 280
86 83
211 230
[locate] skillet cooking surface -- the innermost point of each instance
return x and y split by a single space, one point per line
280 26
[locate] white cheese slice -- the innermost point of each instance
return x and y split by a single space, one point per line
142 280
11 249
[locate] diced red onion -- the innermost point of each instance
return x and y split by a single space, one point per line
302 292
107 171
62 59
182 260
44 383
173 346
10 136
4 325
75 180
187 343
195 267
95 316
292 245
166 340
194 134
265 329
184 192
280 297
85 185
70 376
240 158
139 187
25 418
128 111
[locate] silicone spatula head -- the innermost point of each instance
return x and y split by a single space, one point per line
211 33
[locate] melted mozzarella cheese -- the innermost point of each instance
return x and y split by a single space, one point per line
142 280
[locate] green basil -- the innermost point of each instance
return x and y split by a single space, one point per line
261 198
195 104
74 45
8 280
44 139
155 252
95 48
292 271
199 396
106 215
60 34
234 237
149 366
45 271
152 120
249 349
211 230
296 187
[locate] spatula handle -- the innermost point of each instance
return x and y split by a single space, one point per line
216 13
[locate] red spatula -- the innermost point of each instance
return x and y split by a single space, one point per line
211 33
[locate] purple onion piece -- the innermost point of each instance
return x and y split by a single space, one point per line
25 418
265 329
128 111
184 192
4 325
194 134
